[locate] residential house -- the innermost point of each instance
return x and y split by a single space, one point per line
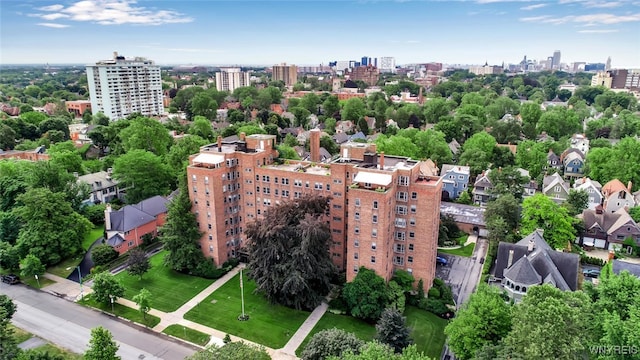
572 162
543 137
553 161
580 142
605 230
555 187
104 188
340 138
344 126
617 196
530 262
455 180
512 147
469 218
481 189
591 187
126 228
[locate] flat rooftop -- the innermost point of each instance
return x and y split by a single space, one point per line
467 214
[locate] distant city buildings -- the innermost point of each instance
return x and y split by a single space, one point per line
486 69
228 79
119 87
286 73
387 64
628 79
369 74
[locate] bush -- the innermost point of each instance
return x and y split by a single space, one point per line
339 304
331 342
434 306
584 259
434 293
94 213
103 254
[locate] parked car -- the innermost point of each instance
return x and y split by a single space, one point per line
10 279
441 260
593 273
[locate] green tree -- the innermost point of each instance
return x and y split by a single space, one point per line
505 207
143 173
558 121
331 106
143 300
397 145
178 156
301 114
35 354
508 180
105 287
392 330
435 109
201 127
8 344
70 161
7 137
310 101
204 105
576 202
138 263
31 266
146 134
181 237
353 110
541 212
634 212
366 296
484 319
330 342
101 345
289 259
103 254
287 152
232 351
432 145
551 324
51 230
532 156
621 162
376 351
7 306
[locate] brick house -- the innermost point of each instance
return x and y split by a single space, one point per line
606 230
125 229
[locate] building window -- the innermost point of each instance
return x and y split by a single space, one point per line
355 256
357 202
373 259
400 235
373 246
356 216
401 222
375 204
414 209
412 222
356 230
209 226
403 180
355 269
398 260
414 196
410 247
374 232
401 209
356 243
193 178
409 260
401 196
374 219
399 248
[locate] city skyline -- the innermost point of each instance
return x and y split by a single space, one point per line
313 32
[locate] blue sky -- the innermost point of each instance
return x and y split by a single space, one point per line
312 32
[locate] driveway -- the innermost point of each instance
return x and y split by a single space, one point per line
463 273
85 265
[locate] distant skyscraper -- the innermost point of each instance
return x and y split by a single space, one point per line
286 73
555 64
365 61
387 64
228 79
119 87
608 65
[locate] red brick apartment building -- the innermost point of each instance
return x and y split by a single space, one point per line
383 212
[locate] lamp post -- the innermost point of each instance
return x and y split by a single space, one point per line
38 281
80 281
111 297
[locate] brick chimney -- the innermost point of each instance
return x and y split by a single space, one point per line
510 261
629 186
107 217
314 145
381 160
219 143
243 135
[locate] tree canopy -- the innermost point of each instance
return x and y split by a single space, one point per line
289 253
539 211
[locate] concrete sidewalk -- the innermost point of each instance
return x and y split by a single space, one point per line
66 288
304 329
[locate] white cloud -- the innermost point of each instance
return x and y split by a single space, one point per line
53 25
113 12
598 31
533 7
51 8
584 19
53 16
601 4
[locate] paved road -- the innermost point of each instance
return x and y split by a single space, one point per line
69 325
463 275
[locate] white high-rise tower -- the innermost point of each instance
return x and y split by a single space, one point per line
119 87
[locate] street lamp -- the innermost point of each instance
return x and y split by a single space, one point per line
38 281
111 297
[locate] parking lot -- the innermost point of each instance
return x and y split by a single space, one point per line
462 273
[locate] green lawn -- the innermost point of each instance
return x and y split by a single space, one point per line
465 251
122 311
92 236
427 331
361 329
185 333
31 281
169 289
54 350
20 335
269 325
65 268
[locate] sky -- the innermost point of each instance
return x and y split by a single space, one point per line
304 32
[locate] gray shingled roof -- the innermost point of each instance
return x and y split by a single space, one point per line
153 206
129 218
522 272
115 240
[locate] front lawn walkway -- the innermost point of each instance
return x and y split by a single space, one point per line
269 325
169 289
122 311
